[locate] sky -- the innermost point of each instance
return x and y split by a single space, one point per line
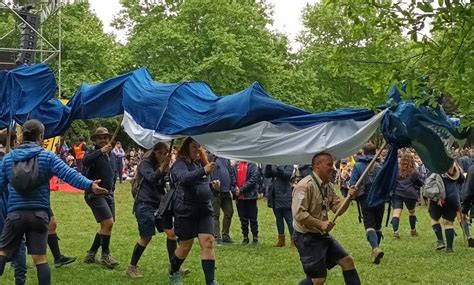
287 15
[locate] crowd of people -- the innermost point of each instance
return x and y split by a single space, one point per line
181 192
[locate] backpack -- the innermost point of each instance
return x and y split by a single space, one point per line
25 175
433 188
369 179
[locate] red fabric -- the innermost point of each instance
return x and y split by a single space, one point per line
241 174
56 185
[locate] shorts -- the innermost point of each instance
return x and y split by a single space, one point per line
447 211
318 253
148 223
50 213
371 216
33 224
191 219
103 207
398 201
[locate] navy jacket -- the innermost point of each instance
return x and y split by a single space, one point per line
279 193
250 187
453 189
49 165
408 187
152 186
468 190
192 180
225 173
359 167
100 166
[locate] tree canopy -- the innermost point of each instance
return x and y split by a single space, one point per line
351 52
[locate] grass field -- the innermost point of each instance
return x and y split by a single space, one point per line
410 260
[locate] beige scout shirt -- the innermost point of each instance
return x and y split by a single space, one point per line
307 201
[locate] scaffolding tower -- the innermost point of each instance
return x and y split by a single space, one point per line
29 16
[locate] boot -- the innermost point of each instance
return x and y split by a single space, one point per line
281 241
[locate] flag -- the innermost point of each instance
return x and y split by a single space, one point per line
248 125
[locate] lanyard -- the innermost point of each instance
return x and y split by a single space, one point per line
324 195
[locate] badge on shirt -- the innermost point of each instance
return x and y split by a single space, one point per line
300 196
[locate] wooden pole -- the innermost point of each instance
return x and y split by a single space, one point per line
9 139
366 171
114 136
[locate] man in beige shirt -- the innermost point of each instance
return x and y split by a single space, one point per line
313 197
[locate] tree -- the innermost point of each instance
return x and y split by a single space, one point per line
224 43
439 36
346 61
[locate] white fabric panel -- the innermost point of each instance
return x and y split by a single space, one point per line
284 144
268 143
144 137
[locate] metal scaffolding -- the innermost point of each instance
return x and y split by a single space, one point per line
43 9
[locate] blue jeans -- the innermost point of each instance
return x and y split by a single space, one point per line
19 264
283 214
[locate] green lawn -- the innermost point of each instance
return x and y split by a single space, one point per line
407 261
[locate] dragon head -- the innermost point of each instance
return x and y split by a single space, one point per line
425 128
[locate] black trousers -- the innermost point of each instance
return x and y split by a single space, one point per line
248 212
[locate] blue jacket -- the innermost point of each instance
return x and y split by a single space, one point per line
193 181
49 165
453 189
359 167
100 166
225 173
152 184
3 201
468 190
408 187
280 192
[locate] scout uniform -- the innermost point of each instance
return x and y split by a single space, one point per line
318 251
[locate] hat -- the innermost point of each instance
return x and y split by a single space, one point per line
453 173
100 132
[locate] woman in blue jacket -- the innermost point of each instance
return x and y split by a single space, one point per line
406 192
279 198
193 211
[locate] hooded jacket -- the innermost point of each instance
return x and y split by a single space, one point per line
49 165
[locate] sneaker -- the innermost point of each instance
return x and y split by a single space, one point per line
254 241
64 260
440 245
449 250
90 258
413 233
176 279
470 242
245 241
396 234
377 255
214 282
108 261
227 240
132 272
184 271
218 242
